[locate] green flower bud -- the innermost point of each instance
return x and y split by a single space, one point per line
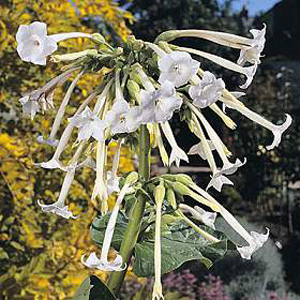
73 56
133 89
159 193
167 36
185 179
171 198
132 178
98 38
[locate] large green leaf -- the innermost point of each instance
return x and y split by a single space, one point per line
180 243
98 228
93 288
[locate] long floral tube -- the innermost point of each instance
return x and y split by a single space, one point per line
54 161
223 38
159 195
277 130
202 232
62 108
207 150
247 71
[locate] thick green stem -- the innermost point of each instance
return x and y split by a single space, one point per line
134 225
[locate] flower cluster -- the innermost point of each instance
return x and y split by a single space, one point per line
144 84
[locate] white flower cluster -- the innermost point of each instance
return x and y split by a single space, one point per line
130 96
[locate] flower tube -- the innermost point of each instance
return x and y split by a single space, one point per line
103 263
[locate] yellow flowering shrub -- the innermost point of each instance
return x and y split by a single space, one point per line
39 252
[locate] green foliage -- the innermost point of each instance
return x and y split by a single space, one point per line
179 245
93 288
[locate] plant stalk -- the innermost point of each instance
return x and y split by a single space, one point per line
133 228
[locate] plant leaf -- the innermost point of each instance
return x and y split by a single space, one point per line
99 225
93 288
180 244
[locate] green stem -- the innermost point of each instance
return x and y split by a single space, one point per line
132 231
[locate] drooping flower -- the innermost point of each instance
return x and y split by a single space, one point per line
252 53
206 217
207 91
42 98
177 67
60 113
34 45
177 154
218 181
257 241
89 125
103 263
277 130
158 106
59 207
229 168
199 149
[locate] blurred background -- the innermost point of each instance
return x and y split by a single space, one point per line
40 253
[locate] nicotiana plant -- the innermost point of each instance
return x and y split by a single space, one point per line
151 227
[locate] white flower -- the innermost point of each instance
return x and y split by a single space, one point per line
112 184
257 241
42 98
34 45
277 130
207 91
52 142
206 217
217 182
254 239
199 149
177 154
89 125
122 118
158 106
230 168
59 206
177 67
103 263
94 262
252 53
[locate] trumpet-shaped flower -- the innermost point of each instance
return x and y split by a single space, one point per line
207 91
230 168
89 125
103 263
257 241
217 182
59 206
42 98
177 67
197 213
177 154
34 45
122 118
277 130
199 149
158 106
252 53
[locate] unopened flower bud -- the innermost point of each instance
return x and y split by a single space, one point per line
132 178
133 89
73 56
171 198
159 193
185 179
98 38
167 36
